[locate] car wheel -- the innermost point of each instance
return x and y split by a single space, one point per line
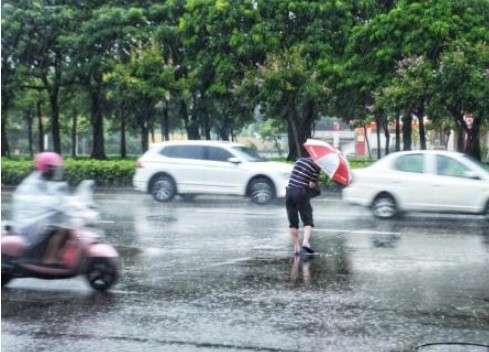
261 191
163 188
384 207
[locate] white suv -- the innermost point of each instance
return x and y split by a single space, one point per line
189 168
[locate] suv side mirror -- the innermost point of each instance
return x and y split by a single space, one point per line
234 160
471 174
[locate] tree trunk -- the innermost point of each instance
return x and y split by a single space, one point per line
460 138
422 130
299 129
5 145
123 133
29 133
387 136
98 143
406 132
166 123
398 133
446 136
378 123
74 129
224 132
144 136
277 145
53 99
292 136
367 141
191 125
40 117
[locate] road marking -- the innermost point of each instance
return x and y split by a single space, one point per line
237 211
354 232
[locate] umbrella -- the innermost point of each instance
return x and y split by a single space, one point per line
330 160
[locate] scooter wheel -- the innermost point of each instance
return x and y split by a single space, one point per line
102 273
6 278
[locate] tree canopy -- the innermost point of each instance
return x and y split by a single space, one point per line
206 65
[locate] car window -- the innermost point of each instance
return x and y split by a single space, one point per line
410 163
247 154
218 154
184 152
477 163
447 166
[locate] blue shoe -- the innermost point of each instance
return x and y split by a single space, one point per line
297 254
308 249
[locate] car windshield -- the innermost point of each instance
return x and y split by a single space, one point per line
478 163
247 154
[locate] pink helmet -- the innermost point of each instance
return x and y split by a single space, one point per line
46 159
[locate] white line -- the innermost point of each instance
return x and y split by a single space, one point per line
238 212
355 232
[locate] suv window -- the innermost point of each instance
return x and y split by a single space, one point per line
410 163
218 154
184 152
447 166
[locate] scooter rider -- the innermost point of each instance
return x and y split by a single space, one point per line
37 209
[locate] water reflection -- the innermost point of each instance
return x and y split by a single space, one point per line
485 236
300 271
329 268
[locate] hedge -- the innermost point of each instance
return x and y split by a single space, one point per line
103 172
117 173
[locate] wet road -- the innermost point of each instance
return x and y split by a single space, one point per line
215 274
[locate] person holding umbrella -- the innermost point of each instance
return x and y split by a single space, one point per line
301 188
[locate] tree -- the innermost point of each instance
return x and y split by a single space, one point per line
421 83
108 33
38 52
273 129
218 50
464 85
146 78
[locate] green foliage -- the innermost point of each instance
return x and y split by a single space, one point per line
14 171
212 62
104 173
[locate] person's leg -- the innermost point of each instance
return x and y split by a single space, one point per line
305 211
293 217
307 236
295 238
54 246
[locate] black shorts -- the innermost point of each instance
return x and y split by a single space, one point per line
298 202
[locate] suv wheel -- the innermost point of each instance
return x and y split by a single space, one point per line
163 188
262 191
384 207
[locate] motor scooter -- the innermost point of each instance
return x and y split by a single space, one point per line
84 253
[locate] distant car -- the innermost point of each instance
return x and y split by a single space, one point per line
190 168
425 181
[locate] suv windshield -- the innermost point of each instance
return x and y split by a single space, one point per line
247 154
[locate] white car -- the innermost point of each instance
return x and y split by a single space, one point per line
425 181
190 168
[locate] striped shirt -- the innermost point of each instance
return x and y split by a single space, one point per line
304 171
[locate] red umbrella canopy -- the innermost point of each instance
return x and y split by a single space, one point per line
330 160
